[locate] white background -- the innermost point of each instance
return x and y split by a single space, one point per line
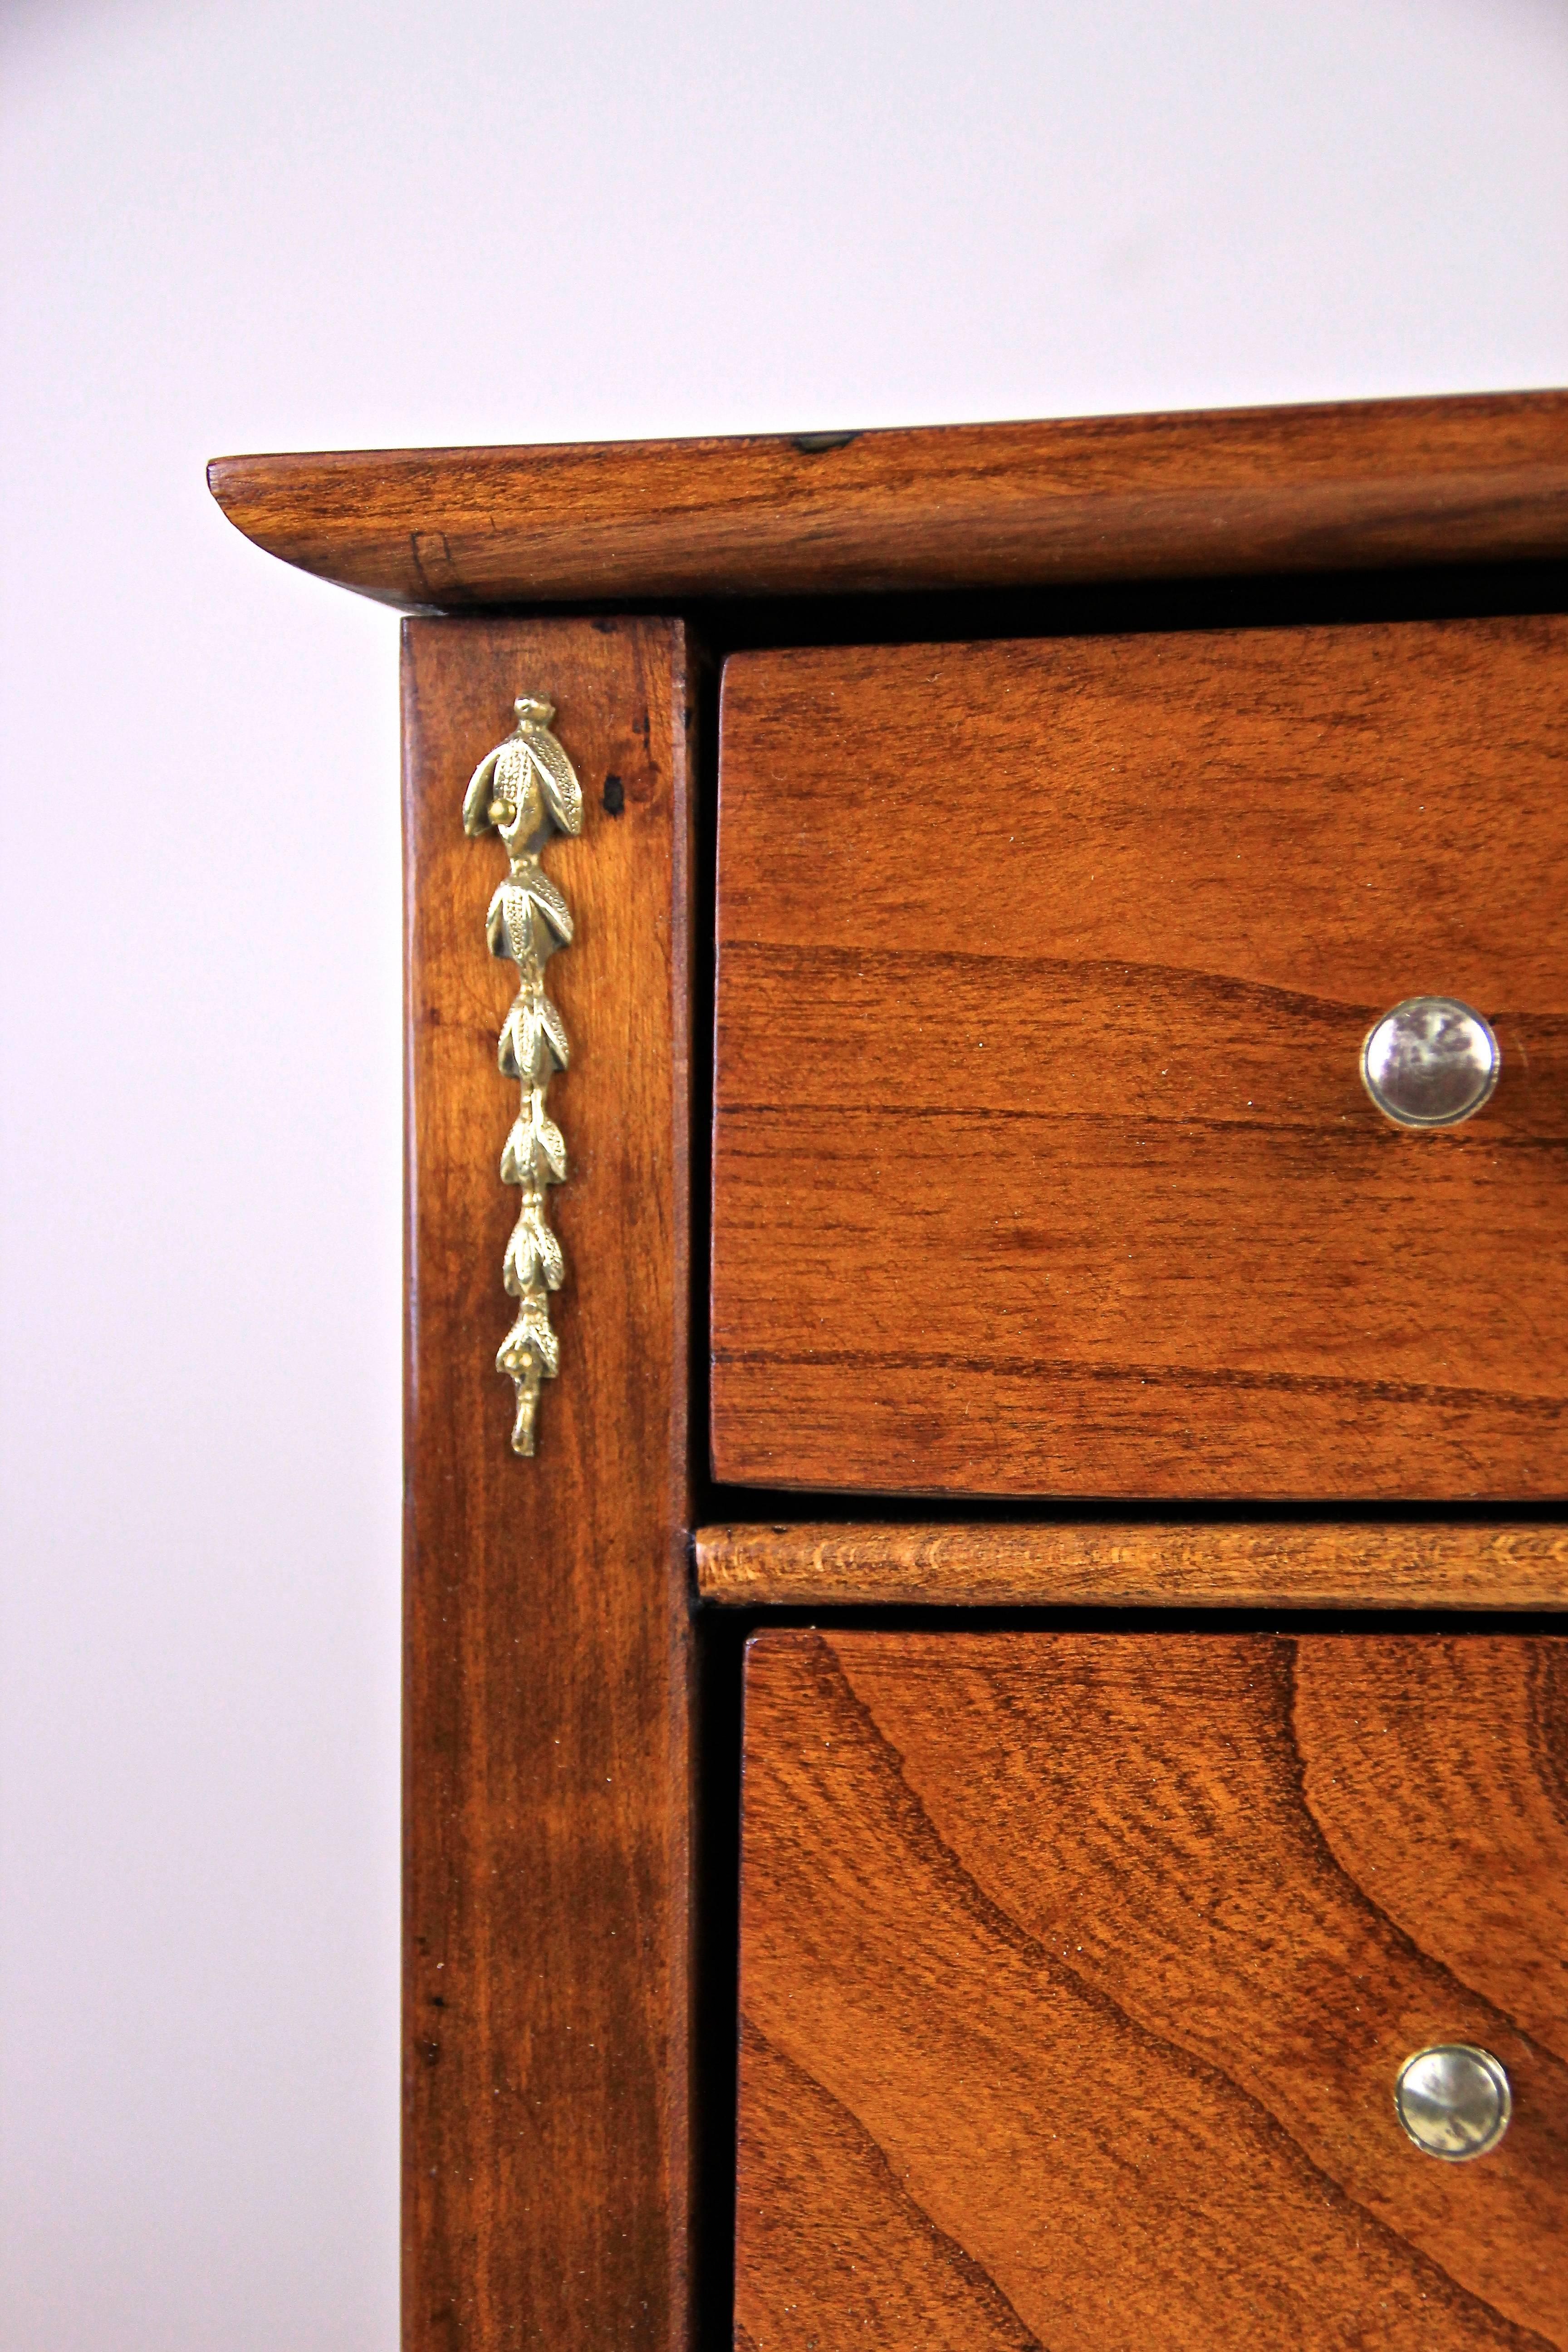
272 224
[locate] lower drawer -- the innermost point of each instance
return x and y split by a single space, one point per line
1078 1973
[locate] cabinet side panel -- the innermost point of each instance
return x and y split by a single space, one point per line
547 1865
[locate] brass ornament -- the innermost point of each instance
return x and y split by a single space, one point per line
525 789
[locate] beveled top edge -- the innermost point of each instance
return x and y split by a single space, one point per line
1355 484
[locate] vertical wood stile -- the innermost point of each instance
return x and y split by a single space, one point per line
547 1840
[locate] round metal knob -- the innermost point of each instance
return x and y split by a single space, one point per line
1431 1062
1454 2101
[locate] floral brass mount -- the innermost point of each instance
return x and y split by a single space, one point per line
525 789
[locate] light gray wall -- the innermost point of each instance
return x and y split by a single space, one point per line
272 224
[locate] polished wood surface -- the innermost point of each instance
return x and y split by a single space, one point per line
1010 1564
1364 484
1043 1165
548 1866
1077 1971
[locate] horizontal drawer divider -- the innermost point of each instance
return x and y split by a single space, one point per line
1045 1564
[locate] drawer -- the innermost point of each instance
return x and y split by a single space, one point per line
1078 1973
1044 1163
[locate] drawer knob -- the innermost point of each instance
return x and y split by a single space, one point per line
1453 2100
1431 1062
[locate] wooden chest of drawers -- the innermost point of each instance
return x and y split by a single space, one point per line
1094 891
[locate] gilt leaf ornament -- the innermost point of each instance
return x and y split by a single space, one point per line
525 789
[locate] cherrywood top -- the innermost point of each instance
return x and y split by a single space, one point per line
1355 486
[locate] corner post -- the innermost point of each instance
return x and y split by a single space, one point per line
548 1889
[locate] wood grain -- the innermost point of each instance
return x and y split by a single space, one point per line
1076 1973
548 1894
1355 486
1014 1565
1042 1160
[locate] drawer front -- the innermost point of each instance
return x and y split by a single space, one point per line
1077 1971
1044 1162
